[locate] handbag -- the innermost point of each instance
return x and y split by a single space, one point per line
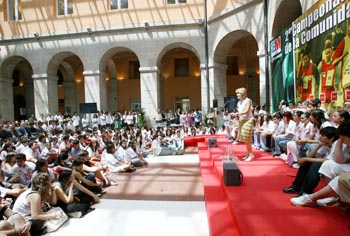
54 224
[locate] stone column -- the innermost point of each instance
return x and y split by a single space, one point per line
204 89
95 88
218 83
113 95
6 99
29 95
262 82
150 92
70 96
45 94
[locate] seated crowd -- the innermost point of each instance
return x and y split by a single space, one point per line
66 161
308 139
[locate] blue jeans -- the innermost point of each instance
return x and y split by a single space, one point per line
263 141
281 143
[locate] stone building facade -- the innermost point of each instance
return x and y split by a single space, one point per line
150 54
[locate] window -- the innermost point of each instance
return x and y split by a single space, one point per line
135 105
232 65
175 1
181 67
64 7
134 70
118 4
14 10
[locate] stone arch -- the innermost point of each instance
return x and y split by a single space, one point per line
182 90
19 87
173 46
236 64
121 68
287 11
67 69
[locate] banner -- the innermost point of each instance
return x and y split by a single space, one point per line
282 59
319 41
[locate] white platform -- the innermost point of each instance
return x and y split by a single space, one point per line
142 218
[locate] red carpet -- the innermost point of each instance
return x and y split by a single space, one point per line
258 206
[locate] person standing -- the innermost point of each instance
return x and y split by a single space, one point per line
246 124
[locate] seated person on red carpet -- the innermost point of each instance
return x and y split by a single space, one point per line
124 154
136 159
32 152
94 167
303 134
113 163
178 139
88 180
308 177
64 190
160 148
22 171
49 153
339 187
10 190
341 161
42 166
275 127
11 223
282 139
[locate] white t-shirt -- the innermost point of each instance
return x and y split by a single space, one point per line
242 106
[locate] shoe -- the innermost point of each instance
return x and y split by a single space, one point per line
295 166
290 190
290 159
283 157
276 154
181 152
235 142
246 157
303 200
329 201
76 214
103 191
250 157
90 209
266 149
132 169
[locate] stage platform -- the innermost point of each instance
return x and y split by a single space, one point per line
258 206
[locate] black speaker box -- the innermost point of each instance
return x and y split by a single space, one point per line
212 142
232 174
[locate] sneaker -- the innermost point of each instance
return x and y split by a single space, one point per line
181 152
295 166
304 201
329 201
76 214
90 209
283 157
290 159
235 142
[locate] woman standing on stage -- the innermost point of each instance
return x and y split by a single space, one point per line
246 124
